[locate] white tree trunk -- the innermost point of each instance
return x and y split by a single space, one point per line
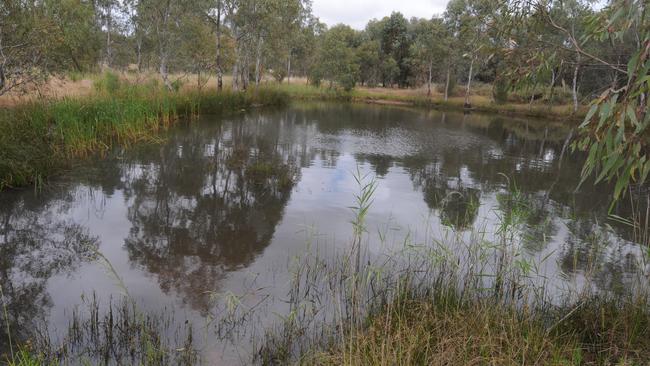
447 82
163 71
469 84
109 51
289 69
258 63
218 51
575 84
139 51
429 79
235 75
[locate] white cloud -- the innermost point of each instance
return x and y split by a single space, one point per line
356 13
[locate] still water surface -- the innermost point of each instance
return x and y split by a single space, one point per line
223 203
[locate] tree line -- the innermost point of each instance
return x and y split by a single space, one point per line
248 39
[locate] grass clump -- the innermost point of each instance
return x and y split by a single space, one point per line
108 82
24 357
309 92
438 331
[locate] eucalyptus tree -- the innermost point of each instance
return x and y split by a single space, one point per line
214 11
108 11
74 36
164 17
277 35
615 130
369 58
337 56
396 44
139 30
429 46
305 43
469 21
19 44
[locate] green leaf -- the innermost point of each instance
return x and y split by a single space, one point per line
631 66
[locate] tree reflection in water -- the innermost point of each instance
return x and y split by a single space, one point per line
209 204
35 245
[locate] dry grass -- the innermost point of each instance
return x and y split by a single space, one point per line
419 332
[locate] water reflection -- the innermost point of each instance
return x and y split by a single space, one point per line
224 196
208 203
35 244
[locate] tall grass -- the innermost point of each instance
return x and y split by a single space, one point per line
39 138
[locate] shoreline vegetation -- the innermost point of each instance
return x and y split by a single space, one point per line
39 137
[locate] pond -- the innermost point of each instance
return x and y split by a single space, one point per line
222 205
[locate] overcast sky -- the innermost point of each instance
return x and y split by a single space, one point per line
356 13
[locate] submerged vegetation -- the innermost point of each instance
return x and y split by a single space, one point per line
39 138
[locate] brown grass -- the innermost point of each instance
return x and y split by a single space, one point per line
416 332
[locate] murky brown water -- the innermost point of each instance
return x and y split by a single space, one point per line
223 204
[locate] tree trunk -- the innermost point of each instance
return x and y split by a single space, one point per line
258 63
2 77
289 69
163 44
163 71
554 81
245 74
447 82
235 66
235 75
218 53
468 104
109 52
429 80
575 84
139 51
